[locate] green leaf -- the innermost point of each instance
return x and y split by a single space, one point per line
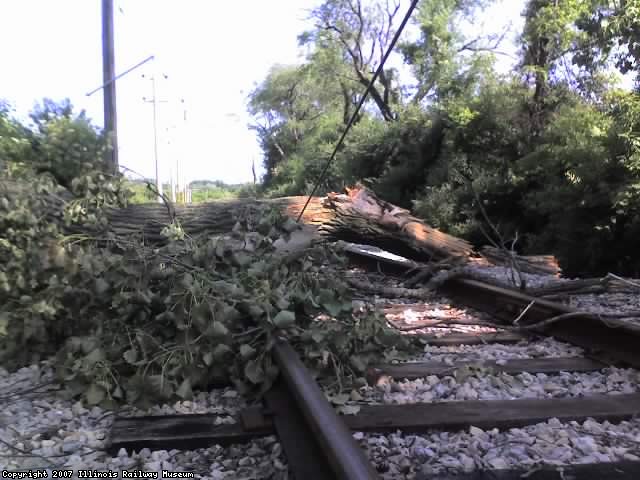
220 351
357 363
253 371
218 330
284 319
318 336
220 248
247 351
207 358
95 394
187 280
242 259
256 312
257 268
283 303
230 314
101 286
184 391
201 316
117 393
4 323
333 308
327 299
95 356
130 356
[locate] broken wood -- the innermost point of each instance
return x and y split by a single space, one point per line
609 283
360 216
538 264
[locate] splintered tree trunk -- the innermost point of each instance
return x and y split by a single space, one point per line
359 217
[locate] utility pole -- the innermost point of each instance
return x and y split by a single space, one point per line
109 94
182 135
154 102
172 179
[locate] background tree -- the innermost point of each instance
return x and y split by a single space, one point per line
551 149
362 32
613 32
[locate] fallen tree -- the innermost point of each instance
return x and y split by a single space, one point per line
357 216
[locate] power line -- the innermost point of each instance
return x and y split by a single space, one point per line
139 64
414 3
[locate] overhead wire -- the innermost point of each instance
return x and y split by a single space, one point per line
352 120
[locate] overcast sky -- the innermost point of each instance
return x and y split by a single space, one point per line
212 52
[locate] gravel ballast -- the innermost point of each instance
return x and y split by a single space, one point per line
544 348
41 429
399 456
482 384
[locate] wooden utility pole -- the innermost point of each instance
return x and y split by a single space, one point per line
109 90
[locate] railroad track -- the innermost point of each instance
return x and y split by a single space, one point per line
320 445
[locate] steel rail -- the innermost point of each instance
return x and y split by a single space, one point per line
346 458
607 340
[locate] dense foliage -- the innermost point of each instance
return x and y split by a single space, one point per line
133 322
551 150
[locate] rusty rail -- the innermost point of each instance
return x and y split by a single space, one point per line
346 458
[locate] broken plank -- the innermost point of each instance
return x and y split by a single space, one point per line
471 338
627 470
413 370
488 414
183 432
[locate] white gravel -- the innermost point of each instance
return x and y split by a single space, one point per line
399 456
482 384
44 429
544 348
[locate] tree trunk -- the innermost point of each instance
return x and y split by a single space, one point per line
358 216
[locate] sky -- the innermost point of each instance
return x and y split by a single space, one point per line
212 54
